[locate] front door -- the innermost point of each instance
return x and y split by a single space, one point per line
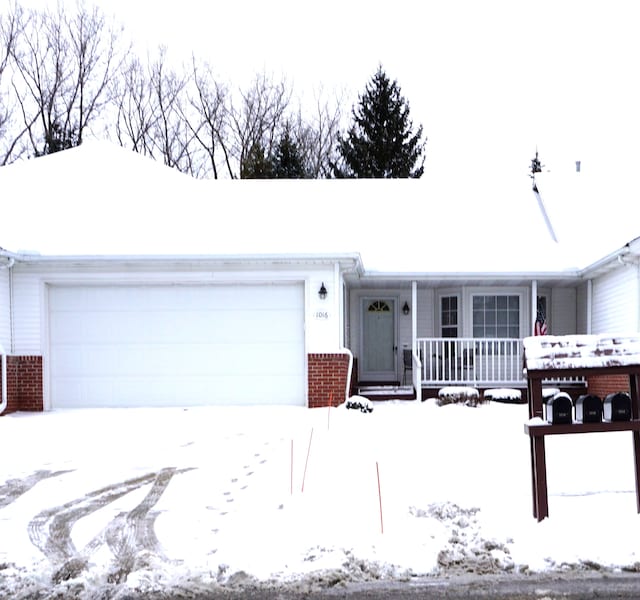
378 340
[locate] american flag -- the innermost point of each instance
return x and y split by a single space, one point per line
541 324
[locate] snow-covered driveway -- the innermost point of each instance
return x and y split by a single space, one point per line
130 500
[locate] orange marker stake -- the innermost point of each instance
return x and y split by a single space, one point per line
304 476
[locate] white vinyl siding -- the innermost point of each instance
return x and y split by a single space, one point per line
561 311
176 345
615 301
27 307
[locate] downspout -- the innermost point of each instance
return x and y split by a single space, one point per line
4 400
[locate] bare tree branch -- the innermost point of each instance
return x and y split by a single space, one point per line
65 63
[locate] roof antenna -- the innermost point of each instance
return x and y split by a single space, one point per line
536 167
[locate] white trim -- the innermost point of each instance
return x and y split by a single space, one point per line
448 293
45 344
521 292
368 297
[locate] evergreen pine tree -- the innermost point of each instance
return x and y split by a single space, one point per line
380 143
287 161
58 138
256 165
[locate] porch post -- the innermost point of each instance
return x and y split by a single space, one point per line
589 303
417 374
534 305
414 316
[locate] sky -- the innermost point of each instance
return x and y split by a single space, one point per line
308 495
489 81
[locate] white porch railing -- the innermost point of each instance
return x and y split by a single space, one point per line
494 362
464 361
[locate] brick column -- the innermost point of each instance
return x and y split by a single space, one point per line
24 384
327 374
601 385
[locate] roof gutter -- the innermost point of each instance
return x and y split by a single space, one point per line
607 262
11 259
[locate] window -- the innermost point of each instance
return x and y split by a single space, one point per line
496 316
379 306
449 316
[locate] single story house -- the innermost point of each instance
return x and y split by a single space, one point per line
126 283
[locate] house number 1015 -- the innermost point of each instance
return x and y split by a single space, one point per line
321 314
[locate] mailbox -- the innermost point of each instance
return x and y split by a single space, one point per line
617 407
588 409
559 409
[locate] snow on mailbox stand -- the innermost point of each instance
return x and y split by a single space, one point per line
557 357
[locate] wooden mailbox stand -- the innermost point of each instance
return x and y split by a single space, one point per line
538 431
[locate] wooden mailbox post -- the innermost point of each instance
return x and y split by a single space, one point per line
553 357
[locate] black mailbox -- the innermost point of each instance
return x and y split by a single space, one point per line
617 407
588 409
559 409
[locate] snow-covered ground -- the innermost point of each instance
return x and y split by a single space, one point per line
111 502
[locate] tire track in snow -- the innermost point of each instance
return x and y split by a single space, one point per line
133 533
50 530
14 488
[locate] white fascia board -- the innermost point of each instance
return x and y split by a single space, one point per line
473 275
349 261
607 262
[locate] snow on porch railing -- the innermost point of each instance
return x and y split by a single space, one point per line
487 361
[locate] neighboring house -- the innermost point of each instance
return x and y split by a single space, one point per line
125 283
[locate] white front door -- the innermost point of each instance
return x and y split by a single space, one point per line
378 340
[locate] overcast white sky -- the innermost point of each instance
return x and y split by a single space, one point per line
488 80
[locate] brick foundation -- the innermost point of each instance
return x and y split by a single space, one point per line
24 384
602 385
327 374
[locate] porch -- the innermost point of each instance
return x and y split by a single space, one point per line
482 363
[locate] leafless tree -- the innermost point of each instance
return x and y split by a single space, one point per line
136 112
151 103
11 133
171 135
257 118
207 118
65 62
317 135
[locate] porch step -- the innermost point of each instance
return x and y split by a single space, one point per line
387 392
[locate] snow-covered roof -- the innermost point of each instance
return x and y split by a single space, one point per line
102 200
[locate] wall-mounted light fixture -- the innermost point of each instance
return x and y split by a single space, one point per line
405 309
322 292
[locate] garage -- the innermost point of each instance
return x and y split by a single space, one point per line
176 345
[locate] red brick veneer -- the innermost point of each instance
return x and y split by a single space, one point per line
24 383
601 385
327 374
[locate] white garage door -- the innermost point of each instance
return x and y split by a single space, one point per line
180 345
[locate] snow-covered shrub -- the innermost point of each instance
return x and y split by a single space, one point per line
360 403
468 396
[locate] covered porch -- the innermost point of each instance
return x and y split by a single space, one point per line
439 331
